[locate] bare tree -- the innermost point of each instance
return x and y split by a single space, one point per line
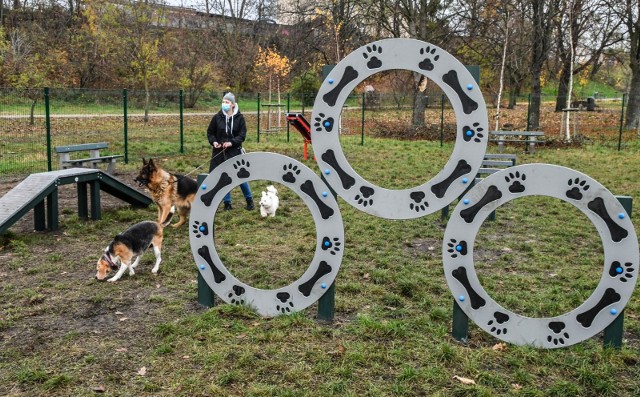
593 29
629 12
542 14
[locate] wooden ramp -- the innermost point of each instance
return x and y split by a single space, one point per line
40 193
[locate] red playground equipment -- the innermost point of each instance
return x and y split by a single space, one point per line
302 125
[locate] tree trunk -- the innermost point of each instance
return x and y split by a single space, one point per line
563 89
633 106
419 100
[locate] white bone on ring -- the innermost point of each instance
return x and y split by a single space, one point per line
619 274
471 135
327 258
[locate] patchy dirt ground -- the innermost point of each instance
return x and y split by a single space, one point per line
50 294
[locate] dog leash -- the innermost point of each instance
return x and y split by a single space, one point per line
200 166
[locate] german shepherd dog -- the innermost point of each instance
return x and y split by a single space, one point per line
169 191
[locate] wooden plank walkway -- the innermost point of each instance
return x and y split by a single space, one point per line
36 189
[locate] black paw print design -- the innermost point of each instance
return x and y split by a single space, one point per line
235 296
624 271
364 198
320 123
558 337
456 248
291 171
496 323
241 166
475 133
286 305
517 178
419 203
200 229
333 245
374 62
426 63
576 187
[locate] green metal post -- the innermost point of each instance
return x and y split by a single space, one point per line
529 112
83 207
52 210
460 327
206 297
621 122
442 120
47 123
362 130
288 110
181 121
303 103
327 303
258 117
613 332
126 142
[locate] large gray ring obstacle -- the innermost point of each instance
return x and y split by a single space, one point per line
616 231
472 130
323 207
596 202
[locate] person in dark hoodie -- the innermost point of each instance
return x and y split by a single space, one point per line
227 130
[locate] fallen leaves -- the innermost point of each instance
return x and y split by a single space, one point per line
464 381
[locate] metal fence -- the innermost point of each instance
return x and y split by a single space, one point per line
34 121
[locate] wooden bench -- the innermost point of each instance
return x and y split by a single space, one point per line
502 137
64 153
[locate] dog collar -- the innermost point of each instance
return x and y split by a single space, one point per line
108 259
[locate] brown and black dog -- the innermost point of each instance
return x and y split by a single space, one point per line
169 191
131 243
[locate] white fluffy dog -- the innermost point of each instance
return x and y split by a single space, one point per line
269 202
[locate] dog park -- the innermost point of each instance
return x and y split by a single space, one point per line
546 253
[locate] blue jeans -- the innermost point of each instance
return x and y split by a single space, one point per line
245 190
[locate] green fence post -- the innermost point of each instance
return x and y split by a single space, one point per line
529 112
206 296
181 121
126 142
258 117
47 123
303 103
442 120
621 122
288 110
613 332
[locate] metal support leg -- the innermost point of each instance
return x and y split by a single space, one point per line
83 205
39 217
95 200
52 210
327 304
613 332
460 326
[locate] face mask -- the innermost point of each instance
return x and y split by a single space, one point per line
226 107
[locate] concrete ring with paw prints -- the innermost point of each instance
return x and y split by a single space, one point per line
471 136
616 231
327 258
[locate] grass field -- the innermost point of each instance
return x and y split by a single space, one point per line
65 334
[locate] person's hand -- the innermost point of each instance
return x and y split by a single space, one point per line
216 145
226 145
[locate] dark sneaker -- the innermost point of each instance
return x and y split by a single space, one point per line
250 205
227 207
